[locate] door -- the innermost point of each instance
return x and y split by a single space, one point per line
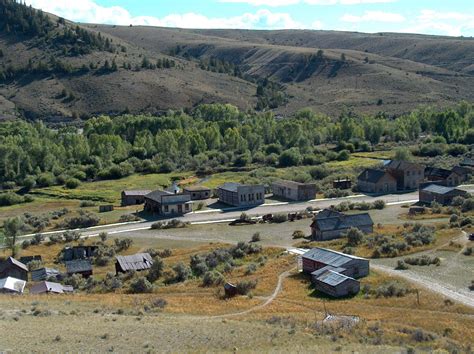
180 208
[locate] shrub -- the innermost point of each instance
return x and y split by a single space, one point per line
103 236
245 286
354 236
128 218
70 236
256 237
156 270
319 172
467 205
159 253
212 278
298 234
251 268
122 244
159 303
25 244
401 265
46 179
72 183
392 289
379 204
141 285
290 157
468 251
84 220
182 272
7 199
34 264
280 218
87 204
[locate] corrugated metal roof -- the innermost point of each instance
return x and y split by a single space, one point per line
139 261
78 266
44 273
434 188
47 287
137 192
402 165
437 172
323 270
372 175
333 278
175 199
329 257
342 222
12 284
156 195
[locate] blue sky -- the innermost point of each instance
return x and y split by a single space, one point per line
442 17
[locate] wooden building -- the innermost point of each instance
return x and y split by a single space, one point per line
376 182
47 287
240 195
198 192
342 183
336 284
134 197
330 224
11 285
167 203
44 274
230 290
79 266
448 178
78 252
135 262
408 174
440 194
13 268
294 190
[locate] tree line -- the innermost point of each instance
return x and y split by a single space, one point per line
210 137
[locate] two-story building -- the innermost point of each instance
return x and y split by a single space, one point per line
168 203
240 195
408 174
294 190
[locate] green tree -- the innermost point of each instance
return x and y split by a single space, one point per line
11 229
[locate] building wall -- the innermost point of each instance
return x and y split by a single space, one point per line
244 196
228 197
410 178
346 288
294 191
357 268
334 234
198 195
8 270
132 199
387 184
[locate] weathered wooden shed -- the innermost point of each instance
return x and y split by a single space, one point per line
12 285
79 266
230 290
440 194
78 252
330 224
27 259
292 190
44 274
134 197
46 287
336 284
13 268
136 262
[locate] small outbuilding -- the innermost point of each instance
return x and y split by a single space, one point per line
46 287
342 183
79 266
440 194
10 285
230 290
134 197
13 268
78 252
136 262
336 284
197 192
44 274
292 190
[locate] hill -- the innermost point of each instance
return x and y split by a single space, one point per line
54 69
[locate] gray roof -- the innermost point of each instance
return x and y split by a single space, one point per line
333 278
230 186
44 273
156 195
327 213
329 257
371 175
78 266
139 261
137 192
402 165
342 222
196 189
11 284
175 199
47 287
323 270
437 172
284 182
467 162
437 189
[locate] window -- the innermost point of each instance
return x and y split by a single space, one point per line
186 207
408 173
166 208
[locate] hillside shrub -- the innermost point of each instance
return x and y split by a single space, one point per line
245 286
85 219
280 218
141 285
213 278
392 289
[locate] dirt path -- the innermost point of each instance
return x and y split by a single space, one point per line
461 296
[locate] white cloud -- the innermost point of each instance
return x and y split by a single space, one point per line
446 23
90 12
276 3
374 16
317 25
273 3
346 2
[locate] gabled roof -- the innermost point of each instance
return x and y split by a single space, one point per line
44 273
329 257
230 186
437 172
402 165
328 213
323 270
333 278
136 192
462 170
196 189
78 266
47 287
341 222
174 188
16 263
437 189
139 261
156 195
372 175
12 284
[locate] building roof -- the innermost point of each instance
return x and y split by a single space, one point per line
196 189
44 273
342 221
402 165
47 287
333 278
156 195
462 170
12 284
137 192
284 182
16 263
328 213
175 199
323 270
437 189
329 257
467 162
78 266
372 175
139 261
230 186
437 172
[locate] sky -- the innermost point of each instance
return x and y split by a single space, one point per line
440 17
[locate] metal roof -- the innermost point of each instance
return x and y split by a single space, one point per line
139 261
175 199
329 257
156 195
78 266
333 278
327 213
437 189
437 172
137 192
285 183
372 175
44 273
12 285
174 188
402 165
13 261
342 221
323 270
47 287
230 186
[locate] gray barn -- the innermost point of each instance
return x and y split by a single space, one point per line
294 190
240 195
440 194
135 197
330 224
